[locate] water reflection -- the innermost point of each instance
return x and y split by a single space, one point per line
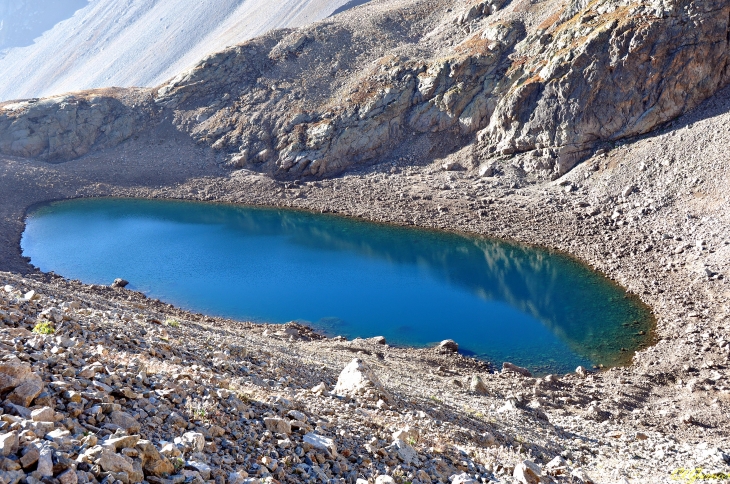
420 286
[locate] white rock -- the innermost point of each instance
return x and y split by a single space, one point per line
320 442
320 389
405 452
195 441
384 480
8 443
203 469
463 478
527 472
357 378
581 477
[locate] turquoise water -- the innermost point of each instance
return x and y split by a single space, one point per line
499 301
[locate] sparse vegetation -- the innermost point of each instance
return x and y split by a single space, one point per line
44 327
698 474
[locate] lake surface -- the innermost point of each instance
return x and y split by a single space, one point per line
499 301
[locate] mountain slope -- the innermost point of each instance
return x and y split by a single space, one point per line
539 86
142 42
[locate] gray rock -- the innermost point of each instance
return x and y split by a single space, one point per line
125 421
43 414
448 345
120 283
8 443
476 385
527 472
194 441
277 425
516 369
201 467
110 461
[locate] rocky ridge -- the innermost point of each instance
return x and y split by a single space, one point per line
496 78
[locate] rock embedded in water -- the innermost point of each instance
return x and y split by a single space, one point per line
120 283
448 346
507 366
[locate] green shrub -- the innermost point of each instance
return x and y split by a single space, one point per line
697 474
44 327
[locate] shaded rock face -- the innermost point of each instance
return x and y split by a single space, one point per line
311 130
316 101
611 71
66 127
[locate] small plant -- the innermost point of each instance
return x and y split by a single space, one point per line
412 442
44 327
178 463
697 474
173 323
436 399
244 397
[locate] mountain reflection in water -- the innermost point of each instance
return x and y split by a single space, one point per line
500 301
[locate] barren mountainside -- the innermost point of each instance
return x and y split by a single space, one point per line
598 128
103 43
499 79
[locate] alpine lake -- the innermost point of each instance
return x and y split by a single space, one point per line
500 301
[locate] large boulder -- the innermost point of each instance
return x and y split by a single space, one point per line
14 373
358 379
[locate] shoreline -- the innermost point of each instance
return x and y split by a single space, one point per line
622 361
643 241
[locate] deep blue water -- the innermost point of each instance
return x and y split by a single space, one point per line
499 301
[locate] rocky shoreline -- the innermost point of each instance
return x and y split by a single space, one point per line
513 120
666 412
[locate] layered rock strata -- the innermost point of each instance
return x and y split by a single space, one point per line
500 79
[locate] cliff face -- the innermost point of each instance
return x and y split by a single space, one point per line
608 72
505 79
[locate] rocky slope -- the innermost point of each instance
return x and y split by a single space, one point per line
501 80
137 43
434 113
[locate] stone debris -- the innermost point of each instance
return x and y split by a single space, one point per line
123 403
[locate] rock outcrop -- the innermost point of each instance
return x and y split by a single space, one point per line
612 70
315 101
66 127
